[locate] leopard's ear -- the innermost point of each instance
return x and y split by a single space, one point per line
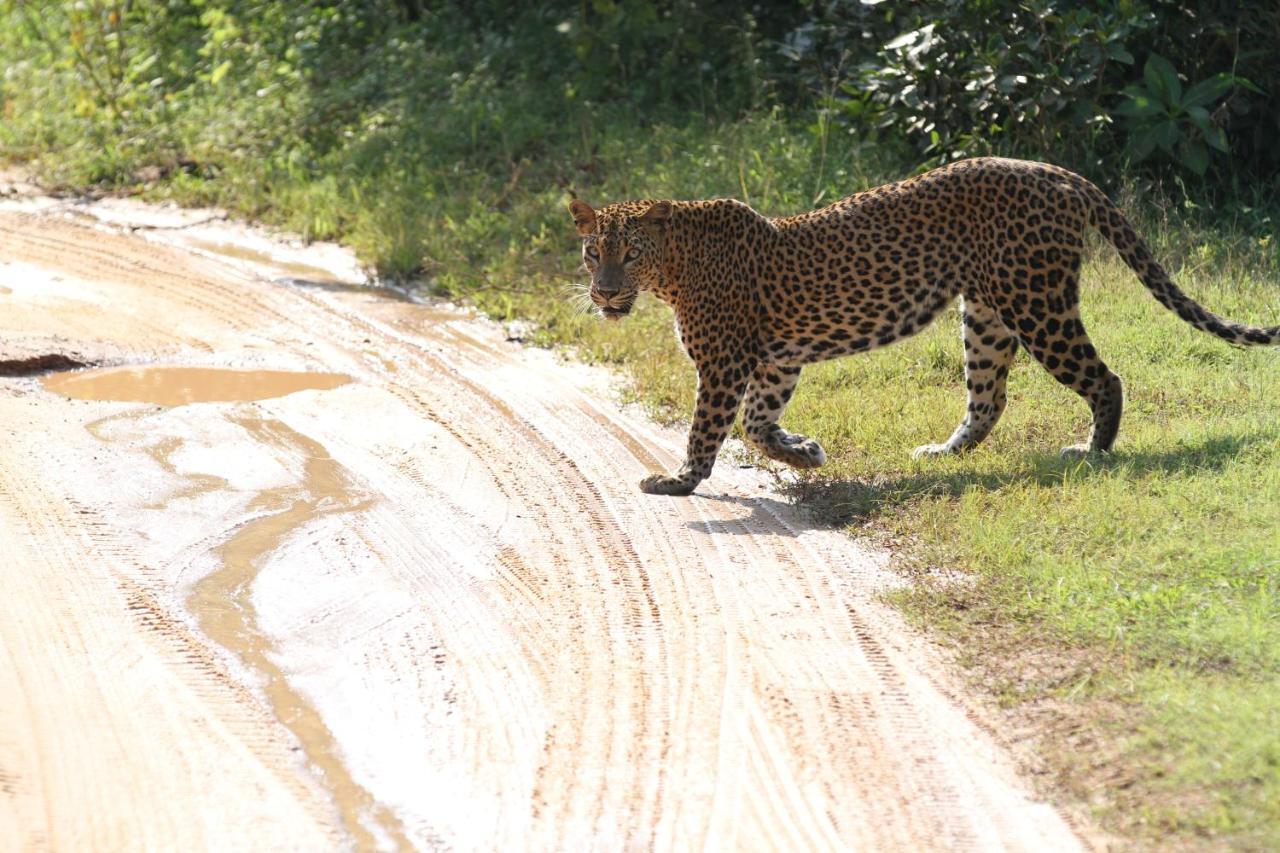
583 216
657 214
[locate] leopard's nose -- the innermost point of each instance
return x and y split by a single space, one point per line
610 282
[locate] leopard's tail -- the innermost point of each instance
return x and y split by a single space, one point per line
1107 218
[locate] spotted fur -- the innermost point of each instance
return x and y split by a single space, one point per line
755 299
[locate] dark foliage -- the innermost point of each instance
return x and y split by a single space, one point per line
1176 87
1157 87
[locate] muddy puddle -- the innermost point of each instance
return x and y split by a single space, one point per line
178 386
222 604
222 601
306 272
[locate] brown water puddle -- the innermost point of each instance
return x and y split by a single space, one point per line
243 253
178 386
222 602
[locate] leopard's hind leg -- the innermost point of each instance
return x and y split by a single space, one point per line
1056 336
989 348
767 395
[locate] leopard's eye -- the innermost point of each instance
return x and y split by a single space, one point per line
591 251
631 254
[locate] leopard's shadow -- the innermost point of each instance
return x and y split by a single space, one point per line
769 517
831 503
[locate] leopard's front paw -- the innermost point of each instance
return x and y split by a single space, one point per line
1081 451
661 484
795 450
926 450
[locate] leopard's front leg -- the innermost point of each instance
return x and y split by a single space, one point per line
720 390
770 388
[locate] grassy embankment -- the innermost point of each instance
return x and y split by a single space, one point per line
1125 609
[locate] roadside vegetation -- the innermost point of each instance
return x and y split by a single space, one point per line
1124 610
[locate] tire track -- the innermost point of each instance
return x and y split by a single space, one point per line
942 812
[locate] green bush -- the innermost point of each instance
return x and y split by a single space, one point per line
401 124
964 77
1239 38
1162 117
1049 79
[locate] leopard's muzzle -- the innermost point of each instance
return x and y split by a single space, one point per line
612 293
617 308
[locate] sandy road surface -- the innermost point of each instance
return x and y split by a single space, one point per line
425 608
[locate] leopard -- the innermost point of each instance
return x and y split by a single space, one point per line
757 298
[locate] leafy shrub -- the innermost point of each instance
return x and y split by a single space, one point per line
1211 37
1162 116
407 126
1034 80
1046 78
114 87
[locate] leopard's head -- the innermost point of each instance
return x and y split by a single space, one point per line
622 248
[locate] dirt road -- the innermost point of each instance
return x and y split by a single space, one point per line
423 604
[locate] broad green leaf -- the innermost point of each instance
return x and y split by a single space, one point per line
1218 139
1167 135
1119 54
145 64
1194 156
1141 144
1249 84
1162 79
1200 118
1207 91
1140 106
